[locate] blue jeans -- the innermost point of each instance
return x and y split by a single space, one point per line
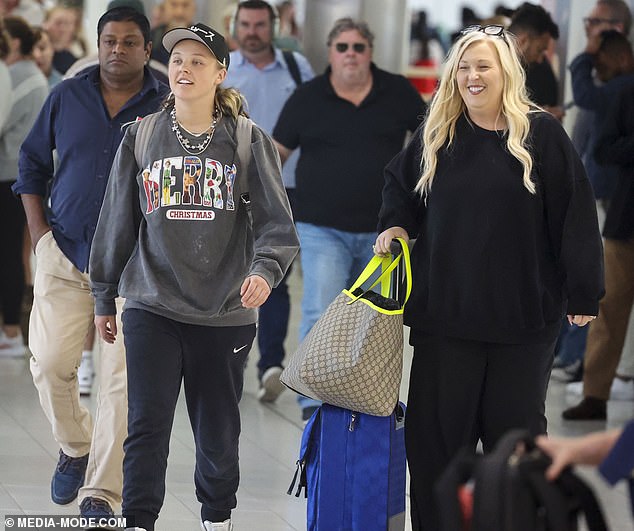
273 319
331 261
272 327
571 343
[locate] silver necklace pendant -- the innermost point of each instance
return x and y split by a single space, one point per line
185 143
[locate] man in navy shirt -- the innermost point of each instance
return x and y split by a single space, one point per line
82 120
607 16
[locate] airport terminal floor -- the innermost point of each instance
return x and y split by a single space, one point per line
268 451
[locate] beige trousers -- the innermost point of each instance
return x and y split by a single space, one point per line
61 316
607 333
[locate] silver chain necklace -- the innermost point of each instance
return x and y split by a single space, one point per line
185 143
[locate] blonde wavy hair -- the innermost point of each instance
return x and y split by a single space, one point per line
447 106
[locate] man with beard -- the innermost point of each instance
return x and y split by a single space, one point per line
266 77
349 122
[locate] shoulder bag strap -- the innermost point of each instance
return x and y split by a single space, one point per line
293 69
243 138
143 134
387 265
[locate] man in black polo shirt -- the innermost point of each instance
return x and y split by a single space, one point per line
349 123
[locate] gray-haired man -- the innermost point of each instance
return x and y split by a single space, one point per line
349 122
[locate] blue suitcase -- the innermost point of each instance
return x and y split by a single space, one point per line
353 467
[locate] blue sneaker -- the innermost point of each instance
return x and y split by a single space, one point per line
95 508
68 478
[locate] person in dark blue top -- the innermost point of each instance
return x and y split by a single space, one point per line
609 54
611 451
72 145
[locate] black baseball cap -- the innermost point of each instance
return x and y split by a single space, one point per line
201 33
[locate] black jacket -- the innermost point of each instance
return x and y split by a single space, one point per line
616 146
493 262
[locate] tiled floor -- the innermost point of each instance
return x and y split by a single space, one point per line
268 450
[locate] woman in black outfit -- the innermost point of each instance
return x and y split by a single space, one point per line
507 243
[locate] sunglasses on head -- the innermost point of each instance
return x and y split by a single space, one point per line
358 47
493 29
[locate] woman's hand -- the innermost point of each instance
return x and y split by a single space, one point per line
580 320
384 240
589 449
254 291
106 325
563 452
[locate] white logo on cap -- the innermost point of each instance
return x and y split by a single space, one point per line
208 34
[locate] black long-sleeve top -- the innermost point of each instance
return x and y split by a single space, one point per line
615 145
493 262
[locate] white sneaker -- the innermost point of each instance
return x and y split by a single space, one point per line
622 389
575 388
217 526
12 347
135 529
569 373
270 385
85 374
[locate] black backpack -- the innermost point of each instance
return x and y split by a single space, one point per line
507 490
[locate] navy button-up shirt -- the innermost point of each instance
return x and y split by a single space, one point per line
75 123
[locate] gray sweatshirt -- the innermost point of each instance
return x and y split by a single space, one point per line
175 238
29 91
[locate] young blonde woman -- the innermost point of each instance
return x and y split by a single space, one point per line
176 239
506 243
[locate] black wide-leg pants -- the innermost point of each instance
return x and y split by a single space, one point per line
462 391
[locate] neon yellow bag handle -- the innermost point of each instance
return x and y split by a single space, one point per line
387 265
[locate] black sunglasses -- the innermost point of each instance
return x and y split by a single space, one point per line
358 47
493 29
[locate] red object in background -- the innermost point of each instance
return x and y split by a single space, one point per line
465 499
423 75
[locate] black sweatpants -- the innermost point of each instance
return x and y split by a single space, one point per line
210 361
11 265
462 391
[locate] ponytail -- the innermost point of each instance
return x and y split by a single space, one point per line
230 102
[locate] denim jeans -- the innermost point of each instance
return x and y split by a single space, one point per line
571 343
331 261
272 327
273 319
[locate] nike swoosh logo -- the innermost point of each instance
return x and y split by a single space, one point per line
236 350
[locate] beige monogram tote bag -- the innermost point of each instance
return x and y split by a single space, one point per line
353 355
